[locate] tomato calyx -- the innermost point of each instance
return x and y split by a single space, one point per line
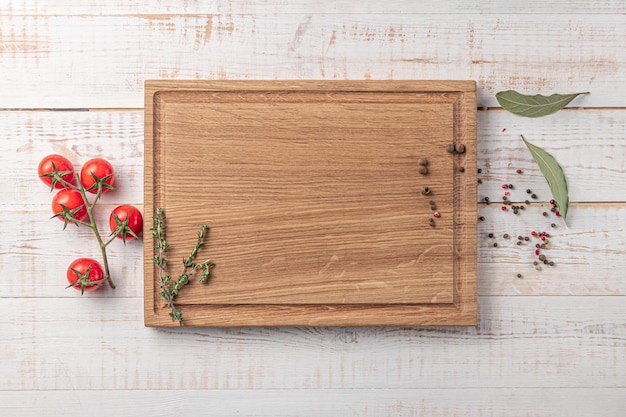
122 228
83 280
100 184
68 216
57 177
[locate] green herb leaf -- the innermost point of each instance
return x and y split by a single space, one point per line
553 173
533 106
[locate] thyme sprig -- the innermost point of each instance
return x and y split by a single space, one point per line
170 287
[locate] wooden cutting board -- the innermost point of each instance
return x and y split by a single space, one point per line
314 198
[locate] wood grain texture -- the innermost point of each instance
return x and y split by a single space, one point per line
521 342
485 402
322 7
118 136
549 344
314 200
500 52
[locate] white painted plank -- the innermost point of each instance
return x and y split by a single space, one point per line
79 136
588 254
526 342
589 145
116 7
551 402
102 61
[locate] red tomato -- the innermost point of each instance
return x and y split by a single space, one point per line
72 200
85 274
62 164
125 218
101 169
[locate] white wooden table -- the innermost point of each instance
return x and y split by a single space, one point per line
552 343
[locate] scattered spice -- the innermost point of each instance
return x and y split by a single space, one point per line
422 170
422 161
450 148
459 148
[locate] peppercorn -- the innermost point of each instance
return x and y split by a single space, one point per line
544 214
535 263
542 257
526 238
459 148
519 275
422 161
426 191
462 169
551 263
422 170
490 235
519 242
520 238
553 225
519 171
504 198
486 200
533 196
450 148
495 245
432 222
479 181
546 262
528 191
522 208
510 186
553 209
506 236
481 218
480 171
526 202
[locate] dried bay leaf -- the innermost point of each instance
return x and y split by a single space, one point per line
554 174
533 106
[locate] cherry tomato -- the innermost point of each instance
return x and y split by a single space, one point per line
83 272
72 200
101 169
125 218
62 164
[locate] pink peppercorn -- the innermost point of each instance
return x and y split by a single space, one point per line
507 193
536 251
557 213
505 186
533 233
437 214
503 208
552 201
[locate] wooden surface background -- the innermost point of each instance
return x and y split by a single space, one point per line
552 343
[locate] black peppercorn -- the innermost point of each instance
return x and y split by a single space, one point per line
553 209
506 236
450 148
426 191
490 235
422 161
461 169
551 263
504 198
553 225
422 170
526 202
519 275
479 181
533 196
535 263
459 148
480 171
528 191
544 214
481 218
510 186
519 242
542 257
515 211
520 238
526 238
522 208
545 262
495 245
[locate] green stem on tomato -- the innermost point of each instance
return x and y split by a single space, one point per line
94 227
